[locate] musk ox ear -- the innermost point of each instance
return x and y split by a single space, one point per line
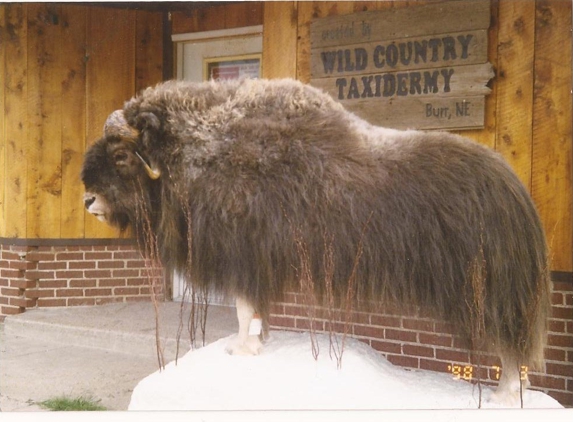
147 121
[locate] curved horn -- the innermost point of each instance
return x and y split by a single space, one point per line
116 125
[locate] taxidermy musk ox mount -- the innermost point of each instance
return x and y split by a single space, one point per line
231 178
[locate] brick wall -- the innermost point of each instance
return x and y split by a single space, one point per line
46 275
415 341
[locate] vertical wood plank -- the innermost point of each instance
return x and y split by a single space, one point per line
149 49
243 14
16 92
279 39
552 180
515 85
487 135
110 79
73 86
44 122
3 35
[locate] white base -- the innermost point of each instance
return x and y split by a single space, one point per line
285 376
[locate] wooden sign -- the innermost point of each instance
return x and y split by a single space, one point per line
420 67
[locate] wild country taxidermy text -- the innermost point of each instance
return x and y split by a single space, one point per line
244 183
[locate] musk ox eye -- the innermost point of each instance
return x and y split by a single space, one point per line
120 157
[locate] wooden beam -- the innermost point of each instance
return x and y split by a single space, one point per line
279 39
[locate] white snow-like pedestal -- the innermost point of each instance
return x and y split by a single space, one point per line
285 376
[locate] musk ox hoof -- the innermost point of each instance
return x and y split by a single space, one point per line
251 347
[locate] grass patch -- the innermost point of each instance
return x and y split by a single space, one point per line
72 405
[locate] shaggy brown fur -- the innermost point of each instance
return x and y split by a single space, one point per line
245 165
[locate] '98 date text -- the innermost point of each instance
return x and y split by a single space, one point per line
466 372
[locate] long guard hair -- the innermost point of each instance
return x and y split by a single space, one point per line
248 166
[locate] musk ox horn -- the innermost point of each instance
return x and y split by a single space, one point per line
116 125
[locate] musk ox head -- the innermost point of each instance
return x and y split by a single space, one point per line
115 172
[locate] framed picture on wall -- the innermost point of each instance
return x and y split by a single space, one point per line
232 67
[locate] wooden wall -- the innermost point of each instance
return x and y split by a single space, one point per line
64 68
528 114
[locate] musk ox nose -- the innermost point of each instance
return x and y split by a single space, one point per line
88 201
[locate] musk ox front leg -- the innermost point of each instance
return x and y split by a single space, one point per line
244 344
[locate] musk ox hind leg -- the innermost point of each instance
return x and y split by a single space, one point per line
244 344
511 383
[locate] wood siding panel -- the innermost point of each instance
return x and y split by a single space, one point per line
3 35
551 173
149 42
280 39
218 17
515 85
16 120
44 121
73 106
110 79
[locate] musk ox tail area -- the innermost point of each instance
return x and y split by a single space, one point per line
250 169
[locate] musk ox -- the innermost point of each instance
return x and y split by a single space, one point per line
231 178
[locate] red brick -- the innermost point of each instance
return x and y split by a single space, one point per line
413 350
40 256
11 273
81 265
111 299
52 284
40 275
444 327
557 298
22 302
386 321
556 326
83 283
11 292
126 291
111 264
540 381
562 287
22 265
51 265
561 312
386 346
405 361
569 299
39 293
435 339
564 370
369 331
280 321
277 308
73 301
555 354
11 310
125 273
69 274
70 256
69 293
408 336
22 284
560 340
47 302
452 355
97 273
113 282
139 281
98 292
97 256
434 365
127 255
418 325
